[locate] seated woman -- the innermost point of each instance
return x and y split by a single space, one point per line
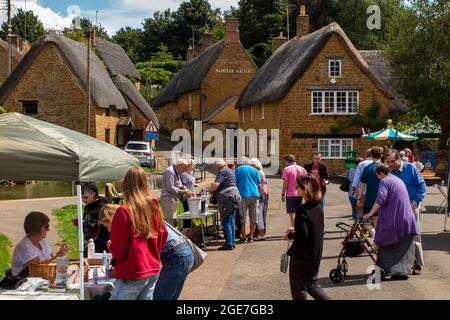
33 247
396 225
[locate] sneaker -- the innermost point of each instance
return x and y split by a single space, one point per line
250 240
259 238
225 247
399 277
242 240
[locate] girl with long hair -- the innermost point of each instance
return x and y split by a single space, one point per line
137 236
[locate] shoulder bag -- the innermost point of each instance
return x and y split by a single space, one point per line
199 254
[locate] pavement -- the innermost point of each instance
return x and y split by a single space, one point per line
251 271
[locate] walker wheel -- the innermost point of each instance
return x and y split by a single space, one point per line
336 275
344 269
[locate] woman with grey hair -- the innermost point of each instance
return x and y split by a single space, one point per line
228 198
261 225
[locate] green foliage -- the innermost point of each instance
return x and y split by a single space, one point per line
5 254
368 118
174 28
132 42
32 30
418 47
2 110
81 33
431 144
67 231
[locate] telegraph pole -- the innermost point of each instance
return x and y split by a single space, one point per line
9 36
88 82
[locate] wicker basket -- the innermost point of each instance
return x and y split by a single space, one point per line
47 270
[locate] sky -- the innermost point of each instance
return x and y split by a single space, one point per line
112 14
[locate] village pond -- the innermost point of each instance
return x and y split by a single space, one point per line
51 189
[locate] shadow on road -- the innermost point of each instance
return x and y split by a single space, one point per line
350 280
436 242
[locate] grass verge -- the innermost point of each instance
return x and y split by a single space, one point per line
5 254
66 230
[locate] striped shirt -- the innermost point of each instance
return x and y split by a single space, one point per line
225 178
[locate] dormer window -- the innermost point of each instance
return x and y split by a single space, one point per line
334 68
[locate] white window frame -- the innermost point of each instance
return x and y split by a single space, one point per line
262 112
343 155
335 112
339 61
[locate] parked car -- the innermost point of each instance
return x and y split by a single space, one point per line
143 151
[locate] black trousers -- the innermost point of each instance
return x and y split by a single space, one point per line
303 279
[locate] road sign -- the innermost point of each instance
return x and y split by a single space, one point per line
151 132
151 135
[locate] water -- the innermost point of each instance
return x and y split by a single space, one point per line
46 189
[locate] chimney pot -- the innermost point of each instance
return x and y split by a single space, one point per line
302 23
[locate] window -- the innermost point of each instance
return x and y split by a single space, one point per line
334 102
335 148
29 107
262 111
334 68
107 112
108 135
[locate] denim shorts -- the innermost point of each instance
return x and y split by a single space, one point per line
292 203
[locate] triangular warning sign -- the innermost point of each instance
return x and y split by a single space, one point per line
151 127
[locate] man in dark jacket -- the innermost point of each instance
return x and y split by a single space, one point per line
320 171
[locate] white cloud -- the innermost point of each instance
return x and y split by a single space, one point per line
119 13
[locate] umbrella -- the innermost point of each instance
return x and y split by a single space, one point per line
389 134
32 149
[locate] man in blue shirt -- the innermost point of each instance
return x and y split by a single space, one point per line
248 182
369 186
417 190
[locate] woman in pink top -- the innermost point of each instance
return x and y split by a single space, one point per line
289 193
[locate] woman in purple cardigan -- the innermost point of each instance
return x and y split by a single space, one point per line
396 225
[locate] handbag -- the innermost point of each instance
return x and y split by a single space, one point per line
345 185
199 254
284 261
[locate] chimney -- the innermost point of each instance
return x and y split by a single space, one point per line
93 38
278 42
190 54
232 30
207 40
302 22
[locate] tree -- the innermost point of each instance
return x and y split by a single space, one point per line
174 28
131 40
32 30
2 110
418 47
80 34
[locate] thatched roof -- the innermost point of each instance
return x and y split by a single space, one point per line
116 59
131 92
103 91
381 68
290 62
16 55
190 75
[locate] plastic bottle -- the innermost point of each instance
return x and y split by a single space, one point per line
95 276
91 248
105 264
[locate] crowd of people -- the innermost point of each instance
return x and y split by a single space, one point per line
151 258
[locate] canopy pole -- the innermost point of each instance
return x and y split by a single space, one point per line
80 239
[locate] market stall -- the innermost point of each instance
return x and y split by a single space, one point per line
32 149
